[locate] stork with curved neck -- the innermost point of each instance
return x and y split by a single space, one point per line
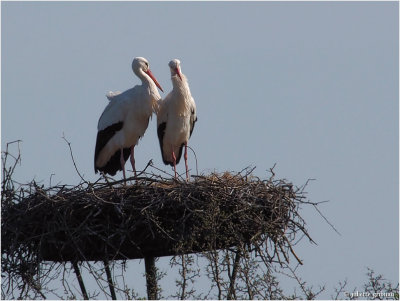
125 120
176 119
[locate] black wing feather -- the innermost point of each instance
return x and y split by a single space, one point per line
192 123
178 158
103 136
114 164
160 133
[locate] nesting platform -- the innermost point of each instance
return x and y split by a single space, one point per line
151 216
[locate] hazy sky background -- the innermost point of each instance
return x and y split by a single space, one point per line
312 87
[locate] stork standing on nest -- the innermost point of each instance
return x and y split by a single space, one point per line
176 119
124 121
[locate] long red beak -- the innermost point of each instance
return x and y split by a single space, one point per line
154 79
178 72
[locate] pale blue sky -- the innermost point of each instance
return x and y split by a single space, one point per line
312 87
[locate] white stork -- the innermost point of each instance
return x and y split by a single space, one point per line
124 121
176 118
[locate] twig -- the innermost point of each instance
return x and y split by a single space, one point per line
73 160
195 157
329 223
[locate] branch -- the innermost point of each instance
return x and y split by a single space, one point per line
73 160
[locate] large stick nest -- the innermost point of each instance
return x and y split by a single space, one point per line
151 216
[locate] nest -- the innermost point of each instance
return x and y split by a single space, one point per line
152 216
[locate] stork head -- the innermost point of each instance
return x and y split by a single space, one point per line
175 66
141 64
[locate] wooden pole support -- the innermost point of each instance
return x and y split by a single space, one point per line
79 277
151 278
109 280
231 292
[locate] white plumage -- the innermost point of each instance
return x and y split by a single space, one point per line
125 120
176 118
110 95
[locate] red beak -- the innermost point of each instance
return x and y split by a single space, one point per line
178 72
154 79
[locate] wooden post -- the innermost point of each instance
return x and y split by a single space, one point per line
151 278
81 284
109 279
231 292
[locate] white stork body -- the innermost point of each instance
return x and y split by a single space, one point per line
125 120
176 119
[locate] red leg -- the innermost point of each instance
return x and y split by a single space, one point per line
123 163
186 163
133 159
174 157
